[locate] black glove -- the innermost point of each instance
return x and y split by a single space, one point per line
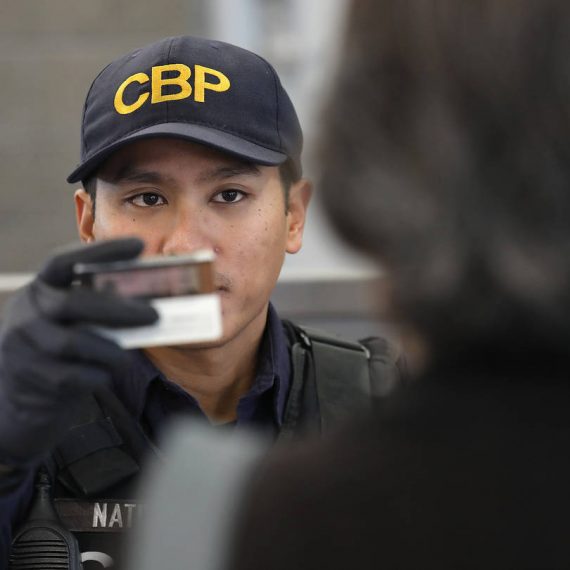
50 358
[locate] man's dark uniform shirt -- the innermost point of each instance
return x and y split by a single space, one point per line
154 401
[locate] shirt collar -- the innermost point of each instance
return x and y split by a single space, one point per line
273 370
133 387
281 361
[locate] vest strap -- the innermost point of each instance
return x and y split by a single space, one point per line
293 411
331 380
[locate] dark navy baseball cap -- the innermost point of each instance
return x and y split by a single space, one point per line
201 90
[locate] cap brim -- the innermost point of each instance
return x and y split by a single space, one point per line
213 138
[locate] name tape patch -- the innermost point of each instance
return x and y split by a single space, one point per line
104 515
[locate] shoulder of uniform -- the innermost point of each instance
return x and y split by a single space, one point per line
381 357
373 347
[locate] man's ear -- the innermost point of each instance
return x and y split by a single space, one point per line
299 197
84 214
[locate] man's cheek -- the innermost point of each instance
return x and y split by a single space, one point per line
108 225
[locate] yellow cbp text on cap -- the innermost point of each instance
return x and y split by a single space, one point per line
181 80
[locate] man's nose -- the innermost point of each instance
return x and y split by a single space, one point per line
190 231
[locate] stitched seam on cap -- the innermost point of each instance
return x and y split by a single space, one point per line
169 51
277 107
87 104
275 86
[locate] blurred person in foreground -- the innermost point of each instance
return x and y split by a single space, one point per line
446 156
187 144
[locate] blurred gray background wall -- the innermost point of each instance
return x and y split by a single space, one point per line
50 51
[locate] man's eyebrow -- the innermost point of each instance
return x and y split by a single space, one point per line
229 171
133 174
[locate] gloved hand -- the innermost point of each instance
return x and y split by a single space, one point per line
49 357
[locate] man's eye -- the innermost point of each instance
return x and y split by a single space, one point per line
229 196
147 199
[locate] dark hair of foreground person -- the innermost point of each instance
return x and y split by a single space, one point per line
446 157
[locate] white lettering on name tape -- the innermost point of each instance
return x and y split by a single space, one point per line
115 515
99 515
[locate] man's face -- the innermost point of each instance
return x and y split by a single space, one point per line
179 197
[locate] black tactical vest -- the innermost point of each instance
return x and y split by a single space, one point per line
94 470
